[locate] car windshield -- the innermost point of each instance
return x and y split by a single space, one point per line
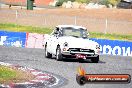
79 33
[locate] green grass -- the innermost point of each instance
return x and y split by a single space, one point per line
40 30
6 73
20 28
111 36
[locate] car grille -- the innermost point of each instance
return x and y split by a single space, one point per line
80 50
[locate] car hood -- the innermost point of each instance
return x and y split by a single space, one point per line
74 42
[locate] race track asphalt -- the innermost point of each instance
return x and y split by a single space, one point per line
34 58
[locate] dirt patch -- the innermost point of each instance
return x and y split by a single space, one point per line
113 14
117 21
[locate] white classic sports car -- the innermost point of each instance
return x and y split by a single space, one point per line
69 41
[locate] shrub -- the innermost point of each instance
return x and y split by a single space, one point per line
114 2
60 2
104 2
107 2
83 1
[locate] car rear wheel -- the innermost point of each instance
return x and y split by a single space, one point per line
59 56
95 60
47 54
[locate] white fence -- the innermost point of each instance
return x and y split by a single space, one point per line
24 17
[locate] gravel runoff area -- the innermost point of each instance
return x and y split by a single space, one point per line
34 58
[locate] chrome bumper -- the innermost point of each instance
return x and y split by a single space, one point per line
84 53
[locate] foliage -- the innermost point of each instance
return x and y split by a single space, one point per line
60 2
107 2
104 2
114 2
83 1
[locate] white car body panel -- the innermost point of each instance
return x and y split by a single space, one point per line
73 42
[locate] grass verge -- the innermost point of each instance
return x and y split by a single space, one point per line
40 30
9 75
6 73
20 28
111 36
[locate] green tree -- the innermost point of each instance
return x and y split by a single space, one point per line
104 2
60 2
83 1
114 2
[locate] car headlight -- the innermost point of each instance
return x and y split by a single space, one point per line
65 44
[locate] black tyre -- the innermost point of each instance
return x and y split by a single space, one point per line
95 60
59 56
47 54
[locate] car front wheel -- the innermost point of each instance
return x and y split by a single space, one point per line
59 56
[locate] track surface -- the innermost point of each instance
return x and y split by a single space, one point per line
34 58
